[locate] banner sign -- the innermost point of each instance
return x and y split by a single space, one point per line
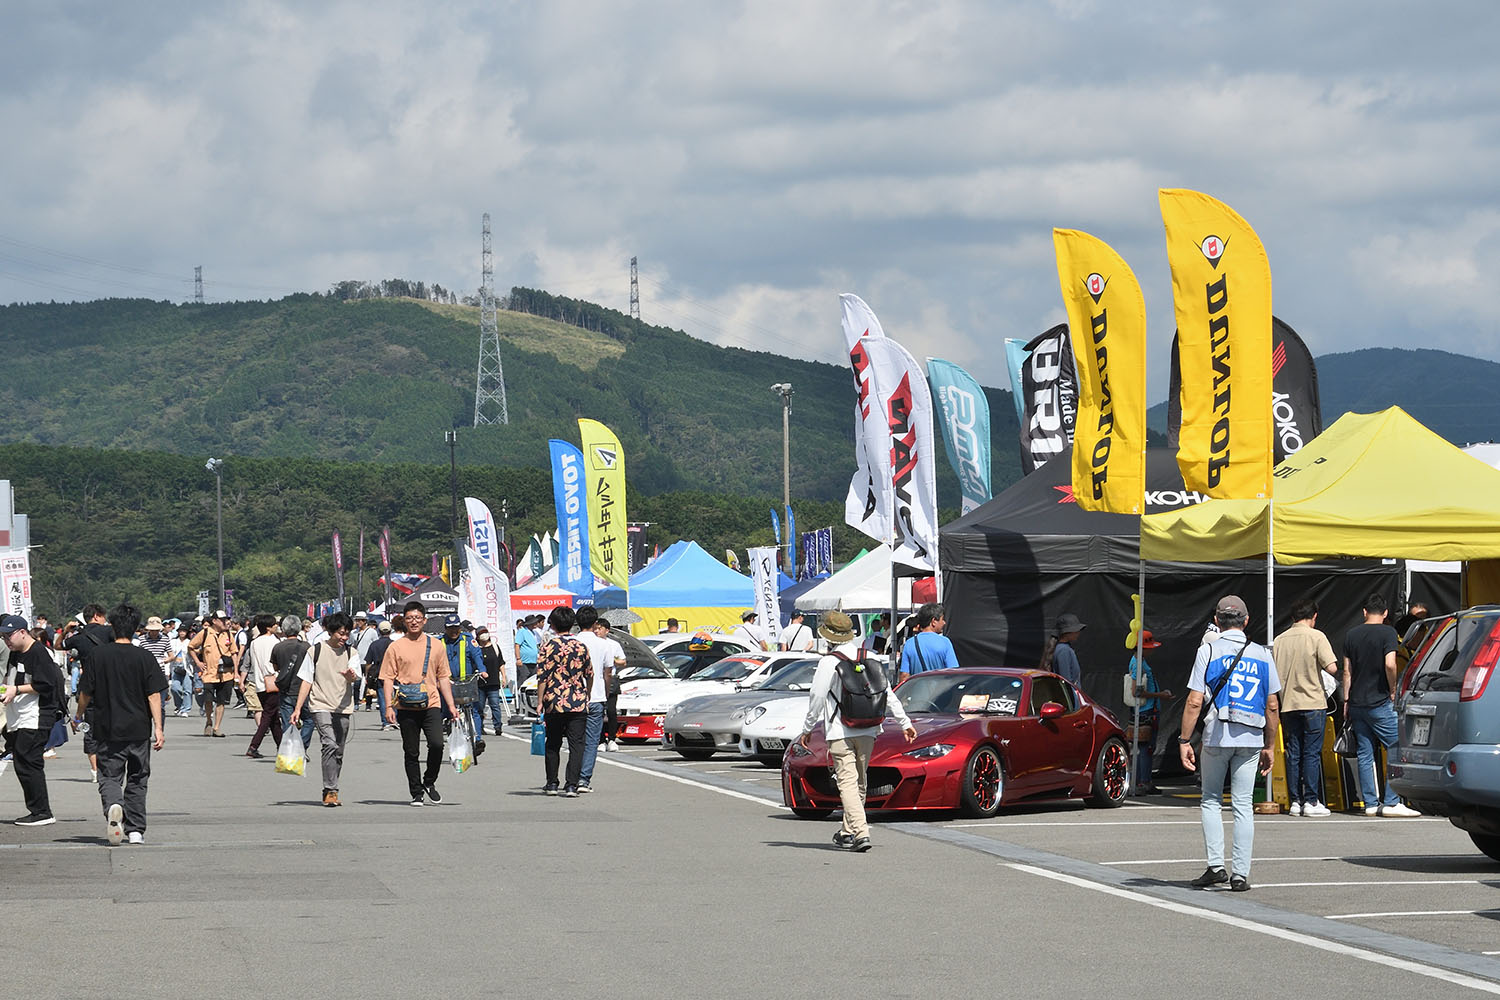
1015 361
1049 397
15 577
902 396
763 580
483 538
385 548
604 462
1107 316
825 551
867 507
534 557
489 599
964 415
338 564
1221 291
732 559
775 526
569 495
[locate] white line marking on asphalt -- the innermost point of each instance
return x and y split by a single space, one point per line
1428 881
1490 953
1409 913
1352 857
1081 824
1243 923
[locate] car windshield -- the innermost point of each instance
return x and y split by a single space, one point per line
948 692
730 669
642 672
794 676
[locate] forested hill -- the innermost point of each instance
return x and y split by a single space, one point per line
380 380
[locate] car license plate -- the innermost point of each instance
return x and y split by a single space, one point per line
632 730
772 744
1421 731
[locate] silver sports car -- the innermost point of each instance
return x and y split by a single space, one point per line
701 726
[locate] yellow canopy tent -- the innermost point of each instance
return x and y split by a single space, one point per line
1375 485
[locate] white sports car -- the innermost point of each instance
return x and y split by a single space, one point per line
649 699
768 727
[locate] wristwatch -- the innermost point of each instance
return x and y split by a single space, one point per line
1184 739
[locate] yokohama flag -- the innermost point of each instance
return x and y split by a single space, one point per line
903 399
868 505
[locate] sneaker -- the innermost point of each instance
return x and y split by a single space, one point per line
36 819
1315 809
254 754
114 825
550 788
611 746
1239 883
417 801
50 754
570 792
432 792
861 845
1398 811
1295 810
584 786
1210 876
842 839
1372 810
136 837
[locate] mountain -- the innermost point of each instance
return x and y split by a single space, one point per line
380 380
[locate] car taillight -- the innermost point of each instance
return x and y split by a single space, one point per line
1477 676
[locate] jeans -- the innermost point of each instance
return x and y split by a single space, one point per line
1371 723
1145 752
851 765
270 720
380 698
288 703
130 764
27 747
1240 764
182 693
416 723
476 713
593 728
1303 733
494 699
333 730
569 725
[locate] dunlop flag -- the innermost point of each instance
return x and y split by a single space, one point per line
1221 288
604 463
1107 316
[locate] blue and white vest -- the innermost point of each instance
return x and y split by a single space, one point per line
1242 699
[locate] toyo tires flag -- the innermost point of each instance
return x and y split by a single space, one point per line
570 495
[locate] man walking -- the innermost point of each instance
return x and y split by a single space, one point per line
372 660
849 746
261 675
1237 680
217 657
1370 703
414 675
464 666
605 657
33 685
124 686
286 660
158 643
492 681
94 634
928 648
1304 659
564 682
328 674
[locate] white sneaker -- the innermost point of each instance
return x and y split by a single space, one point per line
1372 810
136 837
114 821
1295 810
1315 809
1398 811
611 746
50 754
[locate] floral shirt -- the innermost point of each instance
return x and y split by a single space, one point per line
564 674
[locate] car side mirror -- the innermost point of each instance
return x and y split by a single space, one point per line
1052 710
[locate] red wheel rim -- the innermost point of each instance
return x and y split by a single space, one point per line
985 784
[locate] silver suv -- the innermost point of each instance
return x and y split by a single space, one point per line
1448 763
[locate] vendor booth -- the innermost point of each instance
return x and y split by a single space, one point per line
862 585
685 583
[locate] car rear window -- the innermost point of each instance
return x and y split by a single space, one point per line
1440 666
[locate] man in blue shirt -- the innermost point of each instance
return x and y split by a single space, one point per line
526 650
1236 680
1064 662
928 648
1148 697
465 663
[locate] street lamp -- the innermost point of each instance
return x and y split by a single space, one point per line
784 390
216 466
451 439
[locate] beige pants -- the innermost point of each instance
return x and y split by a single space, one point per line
851 762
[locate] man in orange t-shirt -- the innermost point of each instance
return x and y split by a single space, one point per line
217 656
420 661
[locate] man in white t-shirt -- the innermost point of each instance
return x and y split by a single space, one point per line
750 632
261 673
607 656
797 638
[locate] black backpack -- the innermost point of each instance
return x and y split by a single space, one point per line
864 692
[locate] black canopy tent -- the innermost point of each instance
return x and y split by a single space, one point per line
1012 566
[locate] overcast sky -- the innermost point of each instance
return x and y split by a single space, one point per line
760 158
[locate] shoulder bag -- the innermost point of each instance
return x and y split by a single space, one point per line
415 695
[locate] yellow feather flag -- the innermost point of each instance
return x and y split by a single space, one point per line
446 573
1221 288
1107 320
604 473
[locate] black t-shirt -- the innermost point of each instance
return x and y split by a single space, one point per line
492 663
1365 647
287 656
376 653
120 682
37 668
87 640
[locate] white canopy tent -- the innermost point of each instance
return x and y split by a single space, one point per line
862 585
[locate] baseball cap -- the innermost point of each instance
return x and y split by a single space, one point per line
747 616
222 616
360 614
13 623
452 621
1231 605
1147 642
385 626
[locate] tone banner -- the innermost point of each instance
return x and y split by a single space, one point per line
604 464
1221 290
489 597
902 397
1107 318
763 580
570 496
483 538
868 504
1049 391
964 415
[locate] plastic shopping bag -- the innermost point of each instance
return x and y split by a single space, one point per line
291 756
538 738
460 748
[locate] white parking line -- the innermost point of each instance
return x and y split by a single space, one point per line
1360 857
1409 913
1242 923
1424 881
1077 824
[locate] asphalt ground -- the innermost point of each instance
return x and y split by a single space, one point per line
678 877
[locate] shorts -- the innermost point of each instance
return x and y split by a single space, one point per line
218 692
252 698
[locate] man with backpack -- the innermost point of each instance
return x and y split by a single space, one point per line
850 699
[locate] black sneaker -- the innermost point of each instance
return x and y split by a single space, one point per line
861 845
1210 876
550 788
570 792
417 801
36 819
842 839
432 792
1239 883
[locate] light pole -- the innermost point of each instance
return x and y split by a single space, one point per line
216 466
784 390
451 439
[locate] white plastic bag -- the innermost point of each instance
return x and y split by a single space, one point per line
291 756
460 749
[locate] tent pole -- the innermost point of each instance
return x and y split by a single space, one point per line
1140 659
890 630
1270 604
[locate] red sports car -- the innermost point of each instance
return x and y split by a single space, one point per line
986 737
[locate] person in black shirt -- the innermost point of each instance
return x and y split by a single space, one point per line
287 656
1369 705
95 634
32 697
373 658
123 686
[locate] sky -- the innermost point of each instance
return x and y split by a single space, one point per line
760 158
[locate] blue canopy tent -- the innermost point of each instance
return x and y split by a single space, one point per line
693 587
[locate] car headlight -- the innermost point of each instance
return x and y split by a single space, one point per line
931 752
754 714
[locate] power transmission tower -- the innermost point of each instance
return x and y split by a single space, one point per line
489 387
198 285
635 291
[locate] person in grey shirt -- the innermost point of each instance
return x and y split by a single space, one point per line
1061 659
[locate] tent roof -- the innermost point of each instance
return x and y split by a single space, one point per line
862 585
1374 484
690 579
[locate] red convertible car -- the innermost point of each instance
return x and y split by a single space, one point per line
986 737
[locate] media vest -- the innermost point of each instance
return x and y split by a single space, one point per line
1242 696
